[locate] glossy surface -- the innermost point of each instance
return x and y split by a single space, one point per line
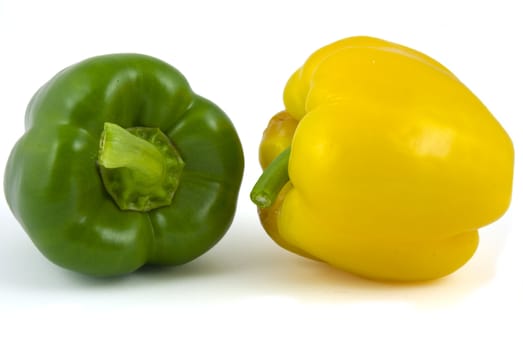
394 165
53 186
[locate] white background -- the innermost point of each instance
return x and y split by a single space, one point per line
247 293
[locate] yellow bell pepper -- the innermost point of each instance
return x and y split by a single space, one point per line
383 163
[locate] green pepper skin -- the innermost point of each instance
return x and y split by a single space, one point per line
53 185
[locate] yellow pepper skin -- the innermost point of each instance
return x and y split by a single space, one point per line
394 163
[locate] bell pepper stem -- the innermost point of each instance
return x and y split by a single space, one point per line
121 149
140 167
274 177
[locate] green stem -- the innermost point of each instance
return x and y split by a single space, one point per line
140 167
270 183
121 149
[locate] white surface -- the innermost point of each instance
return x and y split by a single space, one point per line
247 292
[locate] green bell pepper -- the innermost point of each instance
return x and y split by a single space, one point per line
122 165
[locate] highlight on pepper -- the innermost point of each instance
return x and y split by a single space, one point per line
383 163
123 165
